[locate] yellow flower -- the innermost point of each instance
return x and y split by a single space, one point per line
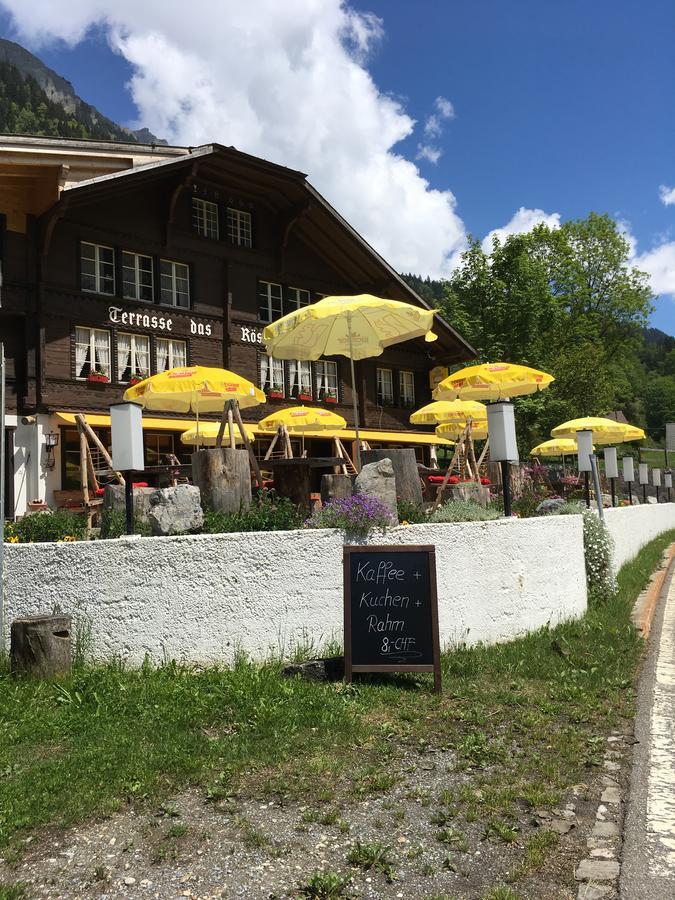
405 522
13 539
69 538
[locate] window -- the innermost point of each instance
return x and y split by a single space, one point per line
92 352
326 378
205 218
170 354
385 387
299 377
239 230
406 382
298 298
175 283
137 277
133 356
269 301
97 268
272 374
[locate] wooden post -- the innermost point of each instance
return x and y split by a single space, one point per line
230 425
93 437
83 469
40 646
244 436
272 445
455 456
221 428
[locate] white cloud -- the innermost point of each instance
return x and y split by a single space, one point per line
659 264
522 221
667 195
285 81
430 153
433 127
444 107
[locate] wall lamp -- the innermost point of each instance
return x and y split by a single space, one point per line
51 443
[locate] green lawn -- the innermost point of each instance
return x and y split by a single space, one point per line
531 710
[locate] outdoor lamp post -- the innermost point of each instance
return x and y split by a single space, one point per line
629 475
668 483
656 481
644 480
503 444
611 470
126 428
584 450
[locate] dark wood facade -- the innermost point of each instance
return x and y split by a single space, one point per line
297 242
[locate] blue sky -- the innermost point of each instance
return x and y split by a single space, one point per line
559 107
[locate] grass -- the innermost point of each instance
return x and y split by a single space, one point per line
12 891
325 886
523 719
372 856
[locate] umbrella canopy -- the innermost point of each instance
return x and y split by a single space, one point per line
555 447
357 327
299 419
197 389
479 429
492 381
605 431
205 435
448 411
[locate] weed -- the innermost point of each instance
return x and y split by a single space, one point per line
100 873
325 886
443 817
372 856
177 831
501 830
330 818
501 893
428 869
12 891
454 837
536 853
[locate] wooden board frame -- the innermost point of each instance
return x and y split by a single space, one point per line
430 550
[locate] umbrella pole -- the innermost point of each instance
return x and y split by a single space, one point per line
355 401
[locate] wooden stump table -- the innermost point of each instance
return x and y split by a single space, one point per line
298 478
40 647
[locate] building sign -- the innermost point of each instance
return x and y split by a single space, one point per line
119 316
251 335
391 610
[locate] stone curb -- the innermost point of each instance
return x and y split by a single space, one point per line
645 605
599 873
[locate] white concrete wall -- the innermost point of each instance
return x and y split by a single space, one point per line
632 527
32 479
199 598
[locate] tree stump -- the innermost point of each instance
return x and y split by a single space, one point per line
335 486
224 479
406 473
40 647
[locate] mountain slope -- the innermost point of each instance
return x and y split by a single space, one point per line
35 99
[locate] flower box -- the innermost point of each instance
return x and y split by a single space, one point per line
329 398
275 394
136 379
305 397
97 378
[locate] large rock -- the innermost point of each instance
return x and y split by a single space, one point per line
113 498
175 510
377 479
406 471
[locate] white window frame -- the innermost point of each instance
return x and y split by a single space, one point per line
171 342
98 275
92 351
267 301
205 218
272 374
384 386
299 375
406 392
173 275
137 271
298 297
239 227
326 377
135 372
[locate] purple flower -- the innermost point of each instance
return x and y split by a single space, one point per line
357 514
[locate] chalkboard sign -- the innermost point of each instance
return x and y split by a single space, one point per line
391 610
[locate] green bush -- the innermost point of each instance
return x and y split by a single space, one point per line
464 511
114 524
412 513
52 525
598 549
267 512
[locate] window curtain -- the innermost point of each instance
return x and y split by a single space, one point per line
124 357
277 372
162 356
319 370
294 376
141 356
179 355
102 351
82 351
264 369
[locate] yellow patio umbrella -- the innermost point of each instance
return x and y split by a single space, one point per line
605 431
298 419
206 433
197 389
555 447
358 327
479 429
492 381
448 411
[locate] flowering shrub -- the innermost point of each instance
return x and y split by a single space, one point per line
356 515
53 525
598 548
464 511
411 513
267 512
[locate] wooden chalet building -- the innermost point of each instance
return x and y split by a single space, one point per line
121 261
